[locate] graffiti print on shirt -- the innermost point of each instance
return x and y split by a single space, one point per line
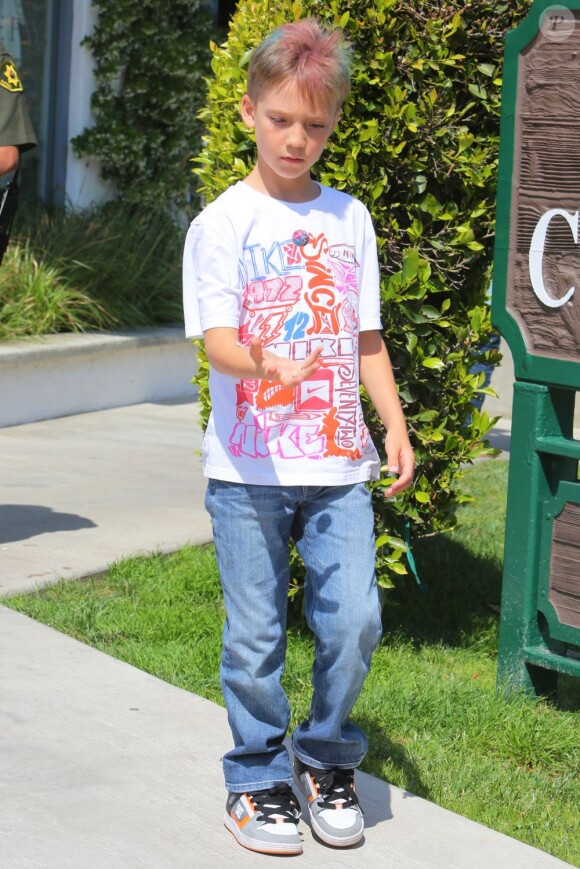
295 300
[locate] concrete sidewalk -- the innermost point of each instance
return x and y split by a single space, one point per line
104 766
79 492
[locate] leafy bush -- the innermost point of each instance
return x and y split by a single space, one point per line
107 267
418 143
150 60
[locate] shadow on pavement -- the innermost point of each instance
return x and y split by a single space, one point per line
22 521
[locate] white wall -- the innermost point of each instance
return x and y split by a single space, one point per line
83 182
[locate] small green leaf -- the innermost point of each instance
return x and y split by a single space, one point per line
433 362
388 539
430 313
410 264
478 91
465 142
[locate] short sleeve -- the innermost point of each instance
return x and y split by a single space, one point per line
15 126
211 282
369 279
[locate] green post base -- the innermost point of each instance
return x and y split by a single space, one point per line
538 411
516 674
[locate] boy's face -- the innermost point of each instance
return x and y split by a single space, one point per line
290 134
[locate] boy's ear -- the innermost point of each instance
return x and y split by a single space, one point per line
247 112
336 119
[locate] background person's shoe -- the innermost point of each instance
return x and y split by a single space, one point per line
335 813
265 821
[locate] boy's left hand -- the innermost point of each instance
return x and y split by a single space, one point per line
400 461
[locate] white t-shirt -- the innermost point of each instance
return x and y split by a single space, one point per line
243 269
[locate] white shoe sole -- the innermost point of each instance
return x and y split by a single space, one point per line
335 841
255 844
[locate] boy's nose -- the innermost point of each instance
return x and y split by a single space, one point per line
296 136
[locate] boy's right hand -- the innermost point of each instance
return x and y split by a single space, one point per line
250 361
289 372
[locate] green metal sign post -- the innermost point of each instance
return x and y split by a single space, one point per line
536 307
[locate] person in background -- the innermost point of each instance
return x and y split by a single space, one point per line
16 133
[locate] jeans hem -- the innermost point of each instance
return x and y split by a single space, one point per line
252 787
316 764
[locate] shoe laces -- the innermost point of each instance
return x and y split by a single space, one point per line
276 805
335 786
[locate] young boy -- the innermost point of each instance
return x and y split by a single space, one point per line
281 278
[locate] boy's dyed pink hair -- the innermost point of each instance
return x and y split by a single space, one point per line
315 60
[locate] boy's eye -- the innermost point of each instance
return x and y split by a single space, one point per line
280 120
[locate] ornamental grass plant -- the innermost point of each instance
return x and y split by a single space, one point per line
36 298
108 267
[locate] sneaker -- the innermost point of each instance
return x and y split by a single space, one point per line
265 820
335 813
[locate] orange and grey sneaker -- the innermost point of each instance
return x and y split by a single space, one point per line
335 813
265 820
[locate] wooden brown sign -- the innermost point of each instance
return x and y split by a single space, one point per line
537 271
536 306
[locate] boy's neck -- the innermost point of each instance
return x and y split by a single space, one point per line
303 189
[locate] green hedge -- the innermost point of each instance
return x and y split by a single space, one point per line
418 144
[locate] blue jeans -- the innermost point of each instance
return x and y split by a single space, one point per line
333 530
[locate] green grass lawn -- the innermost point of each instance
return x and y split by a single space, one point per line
436 725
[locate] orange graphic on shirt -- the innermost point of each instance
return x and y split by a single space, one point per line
329 429
262 394
324 313
273 393
321 300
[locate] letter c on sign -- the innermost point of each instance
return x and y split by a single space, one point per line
536 255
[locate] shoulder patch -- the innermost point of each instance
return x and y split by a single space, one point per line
9 78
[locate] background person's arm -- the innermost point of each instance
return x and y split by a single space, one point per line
9 159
